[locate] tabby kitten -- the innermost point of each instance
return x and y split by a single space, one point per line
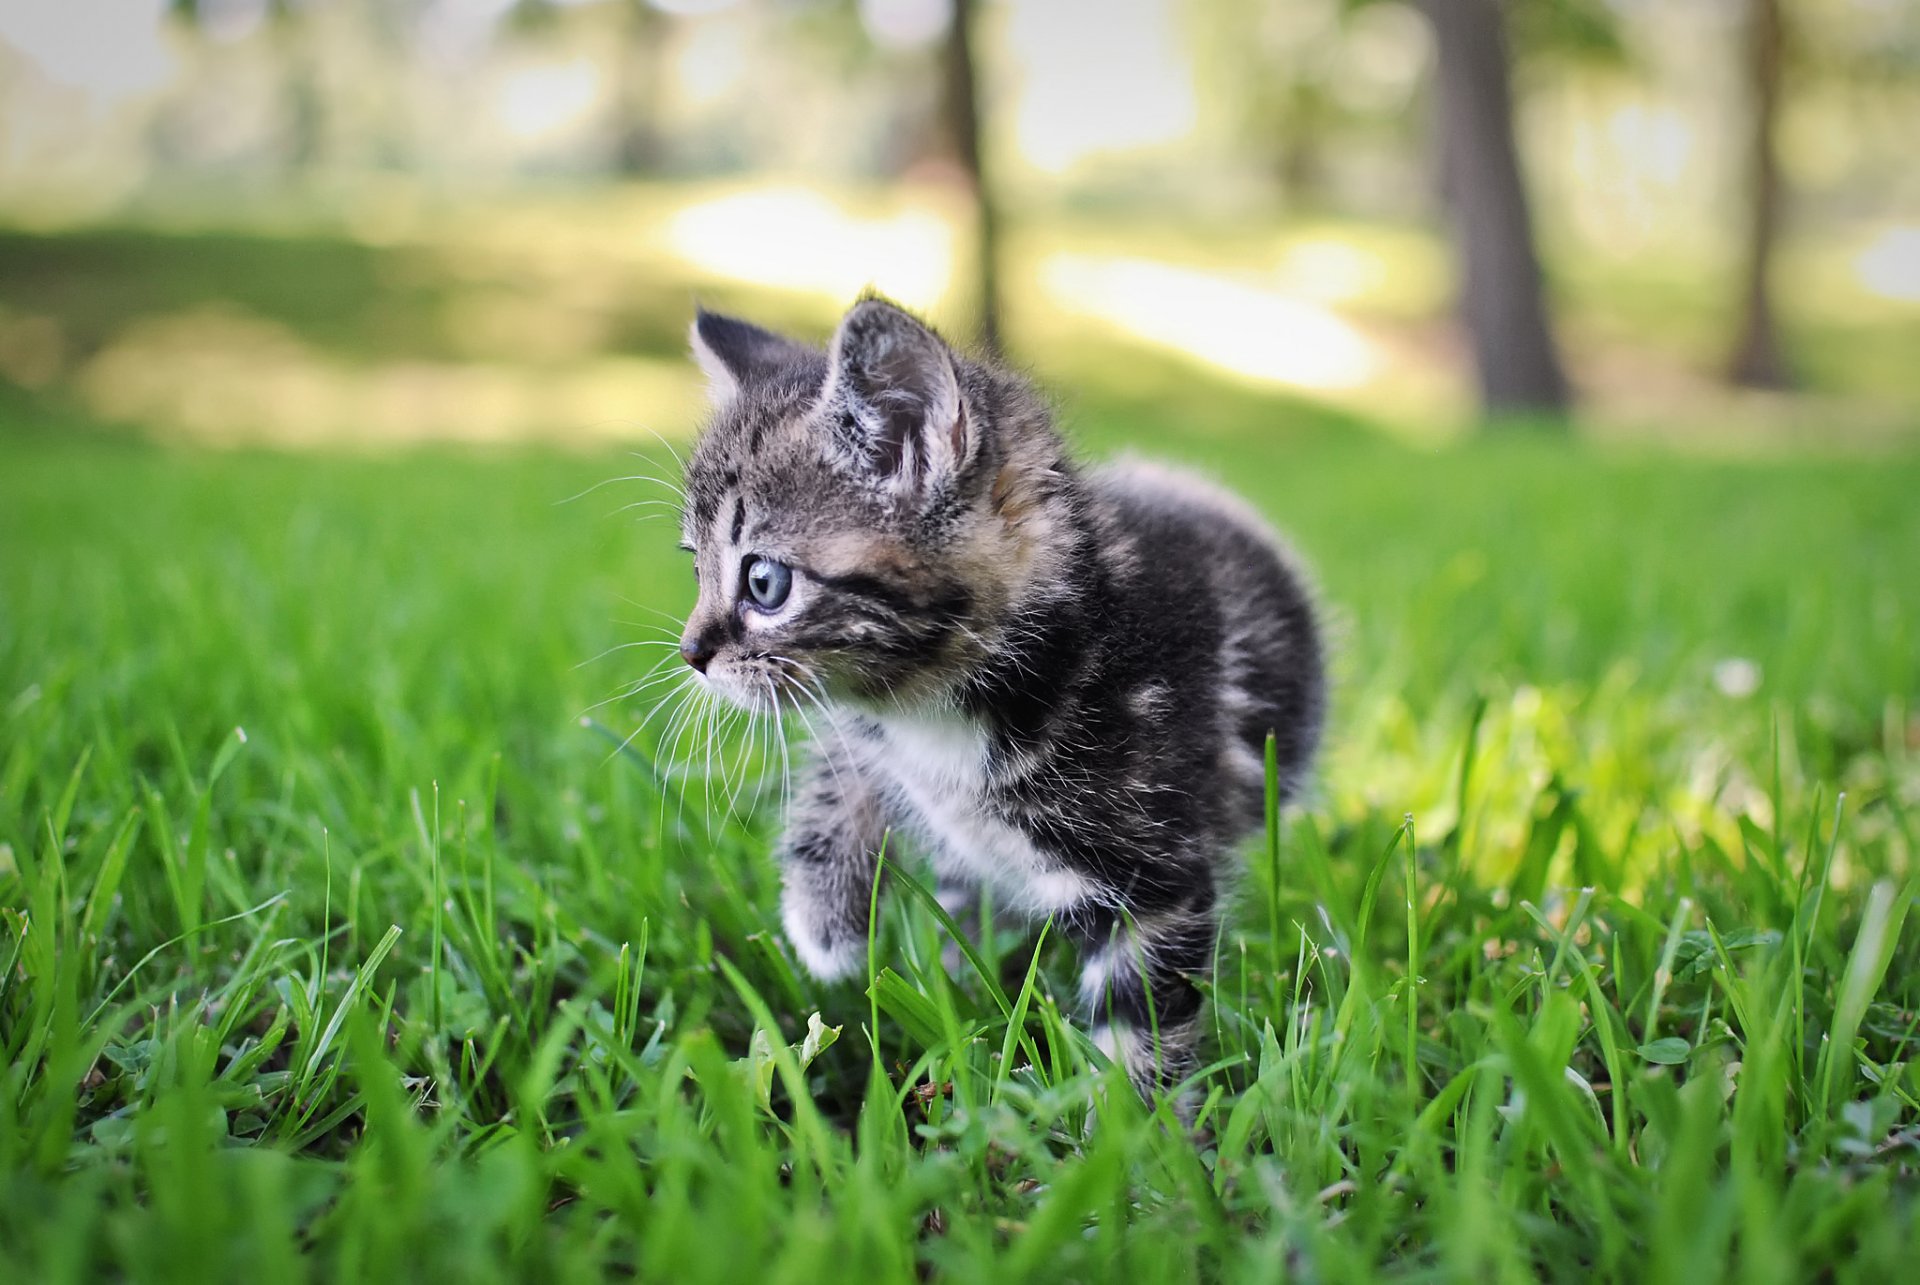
1058 680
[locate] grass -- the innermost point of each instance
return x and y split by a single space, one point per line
332 945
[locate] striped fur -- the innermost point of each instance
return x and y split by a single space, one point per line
1058 681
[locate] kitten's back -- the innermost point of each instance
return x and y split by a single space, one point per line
1271 662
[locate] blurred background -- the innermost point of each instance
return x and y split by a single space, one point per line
373 221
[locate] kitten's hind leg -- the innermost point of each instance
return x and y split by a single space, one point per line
828 860
1136 976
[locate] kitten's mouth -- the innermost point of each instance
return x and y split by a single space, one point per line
766 685
730 688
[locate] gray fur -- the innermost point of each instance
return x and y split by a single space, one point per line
1058 681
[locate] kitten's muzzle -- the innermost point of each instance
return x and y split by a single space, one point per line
697 650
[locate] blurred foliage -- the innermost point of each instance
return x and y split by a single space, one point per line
347 188
563 317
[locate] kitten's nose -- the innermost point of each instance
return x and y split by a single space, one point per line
696 651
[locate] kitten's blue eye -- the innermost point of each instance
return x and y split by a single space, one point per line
768 583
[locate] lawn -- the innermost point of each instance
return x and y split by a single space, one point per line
338 940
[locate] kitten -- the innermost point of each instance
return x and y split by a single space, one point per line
1058 681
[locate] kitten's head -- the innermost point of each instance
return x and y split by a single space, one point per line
862 520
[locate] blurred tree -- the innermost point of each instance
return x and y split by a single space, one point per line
1502 296
635 40
1305 112
303 124
1271 68
1757 358
960 113
935 118
639 70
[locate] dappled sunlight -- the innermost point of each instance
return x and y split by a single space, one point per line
1331 270
794 238
1889 266
563 317
31 348
538 102
1137 91
62 42
1252 331
1531 739
220 376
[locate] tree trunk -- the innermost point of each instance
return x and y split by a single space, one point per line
960 105
1501 295
306 104
1300 160
1757 359
639 65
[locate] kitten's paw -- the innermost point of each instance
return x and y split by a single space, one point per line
826 955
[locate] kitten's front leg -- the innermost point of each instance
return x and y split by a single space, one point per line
827 857
1136 974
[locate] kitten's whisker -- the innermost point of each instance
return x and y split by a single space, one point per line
671 736
614 481
698 710
779 681
629 691
819 702
765 746
776 733
641 642
656 465
665 483
625 646
709 716
726 735
652 678
744 763
640 727
748 722
717 723
679 460
663 674
723 718
759 747
671 448
666 749
665 702
820 745
786 756
670 618
672 505
682 724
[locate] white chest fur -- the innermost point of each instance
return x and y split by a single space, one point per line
938 763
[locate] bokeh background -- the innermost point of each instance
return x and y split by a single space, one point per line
367 222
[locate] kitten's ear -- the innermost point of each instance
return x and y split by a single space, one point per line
892 398
734 352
